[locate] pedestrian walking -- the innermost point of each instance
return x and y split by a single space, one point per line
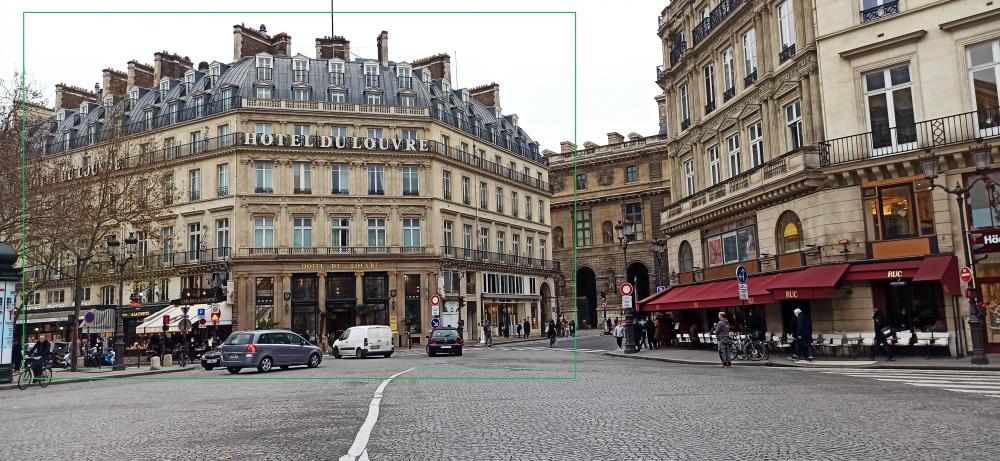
552 334
608 327
572 327
882 330
519 326
651 334
803 334
693 335
488 333
725 341
527 328
619 333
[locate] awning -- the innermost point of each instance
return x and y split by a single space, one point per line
815 282
154 323
891 270
723 293
943 269
104 322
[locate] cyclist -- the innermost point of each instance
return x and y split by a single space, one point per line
725 341
38 354
552 333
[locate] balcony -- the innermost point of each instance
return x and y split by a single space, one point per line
728 94
750 79
447 195
327 251
223 192
685 124
489 257
182 258
263 190
411 193
709 107
746 185
194 195
492 136
786 53
880 11
676 52
302 190
714 19
339 191
376 191
938 132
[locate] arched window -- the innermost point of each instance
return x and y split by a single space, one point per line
557 235
789 233
608 232
685 257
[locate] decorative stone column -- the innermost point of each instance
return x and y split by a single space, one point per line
359 290
283 318
321 306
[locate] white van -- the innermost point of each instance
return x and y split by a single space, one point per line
363 341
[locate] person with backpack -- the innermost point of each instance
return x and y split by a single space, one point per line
552 333
882 329
725 341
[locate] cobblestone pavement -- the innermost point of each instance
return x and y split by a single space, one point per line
613 409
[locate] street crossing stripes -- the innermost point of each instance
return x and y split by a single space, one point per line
985 383
543 348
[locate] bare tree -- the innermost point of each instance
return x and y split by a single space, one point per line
20 117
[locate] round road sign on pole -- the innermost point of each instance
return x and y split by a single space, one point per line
741 274
626 289
88 318
435 323
435 299
965 274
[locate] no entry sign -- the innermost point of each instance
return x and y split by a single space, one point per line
626 289
965 274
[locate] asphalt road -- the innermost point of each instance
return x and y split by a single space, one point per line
600 408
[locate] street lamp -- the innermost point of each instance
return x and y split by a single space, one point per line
119 261
980 156
658 248
624 229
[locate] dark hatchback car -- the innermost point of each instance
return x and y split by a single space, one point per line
444 341
212 358
265 349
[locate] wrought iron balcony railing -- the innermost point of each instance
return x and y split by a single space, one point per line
709 107
716 17
323 251
676 52
786 53
685 124
263 190
728 94
750 79
223 191
879 11
471 255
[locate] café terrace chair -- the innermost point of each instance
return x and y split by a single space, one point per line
867 341
931 339
904 339
853 344
779 345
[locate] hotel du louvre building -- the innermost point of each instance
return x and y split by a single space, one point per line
337 191
796 149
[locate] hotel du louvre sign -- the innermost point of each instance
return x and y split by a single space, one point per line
334 142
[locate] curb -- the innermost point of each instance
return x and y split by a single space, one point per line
516 341
102 378
814 365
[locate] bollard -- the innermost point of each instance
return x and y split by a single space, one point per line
154 363
79 363
168 360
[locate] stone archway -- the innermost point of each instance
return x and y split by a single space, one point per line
586 296
547 302
638 275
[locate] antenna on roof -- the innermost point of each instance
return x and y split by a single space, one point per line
455 83
331 20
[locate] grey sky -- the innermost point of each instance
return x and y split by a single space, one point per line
529 55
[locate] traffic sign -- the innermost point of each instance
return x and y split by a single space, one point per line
435 310
435 299
965 274
184 325
604 305
741 274
626 302
435 323
744 291
660 288
88 318
216 309
215 318
201 311
626 289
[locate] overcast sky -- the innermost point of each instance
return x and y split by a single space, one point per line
530 55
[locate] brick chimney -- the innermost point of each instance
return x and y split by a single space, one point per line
589 145
248 42
488 95
383 49
70 97
615 137
168 65
438 65
115 82
140 74
566 147
333 47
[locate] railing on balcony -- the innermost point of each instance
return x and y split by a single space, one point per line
263 190
491 136
709 107
685 124
786 53
322 251
411 192
302 190
339 191
937 132
880 11
223 191
181 258
194 195
469 254
750 79
372 191
716 17
728 94
677 51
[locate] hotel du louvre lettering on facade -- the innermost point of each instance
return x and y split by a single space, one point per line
818 190
331 191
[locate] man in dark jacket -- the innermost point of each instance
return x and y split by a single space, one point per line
803 334
527 328
880 339
756 326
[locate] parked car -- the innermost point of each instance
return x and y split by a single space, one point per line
266 349
363 341
212 358
444 340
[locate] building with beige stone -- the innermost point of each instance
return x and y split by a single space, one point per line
597 192
327 191
807 170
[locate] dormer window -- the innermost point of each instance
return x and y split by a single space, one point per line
336 69
109 101
84 108
189 81
338 96
264 66
465 96
213 74
371 75
425 76
498 115
407 100
404 75
164 87
133 97
61 115
300 70
444 86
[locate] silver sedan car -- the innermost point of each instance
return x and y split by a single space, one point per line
266 349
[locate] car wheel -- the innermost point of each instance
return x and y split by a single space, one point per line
233 370
313 361
265 365
431 354
284 367
388 354
360 353
208 367
336 353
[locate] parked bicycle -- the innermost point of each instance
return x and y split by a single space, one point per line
36 370
747 347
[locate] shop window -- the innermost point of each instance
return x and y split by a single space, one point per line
732 247
899 211
789 231
686 257
982 213
913 306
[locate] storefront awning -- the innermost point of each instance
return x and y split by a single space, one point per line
943 269
815 282
723 293
104 322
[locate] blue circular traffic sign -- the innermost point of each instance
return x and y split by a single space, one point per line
741 274
88 317
435 323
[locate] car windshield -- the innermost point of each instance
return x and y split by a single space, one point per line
445 333
345 335
237 339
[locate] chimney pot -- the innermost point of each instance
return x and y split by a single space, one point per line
615 137
383 49
566 147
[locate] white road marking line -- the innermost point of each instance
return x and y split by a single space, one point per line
359 449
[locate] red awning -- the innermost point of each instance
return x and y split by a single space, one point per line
905 269
723 293
940 268
815 282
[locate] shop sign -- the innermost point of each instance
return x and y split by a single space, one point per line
139 313
990 241
335 266
335 142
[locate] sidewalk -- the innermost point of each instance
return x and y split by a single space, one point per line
61 376
535 336
711 357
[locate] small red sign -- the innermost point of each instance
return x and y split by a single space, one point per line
965 274
626 289
435 300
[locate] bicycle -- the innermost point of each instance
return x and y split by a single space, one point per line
27 375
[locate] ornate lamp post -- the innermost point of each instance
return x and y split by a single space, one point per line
658 248
624 230
119 261
980 156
